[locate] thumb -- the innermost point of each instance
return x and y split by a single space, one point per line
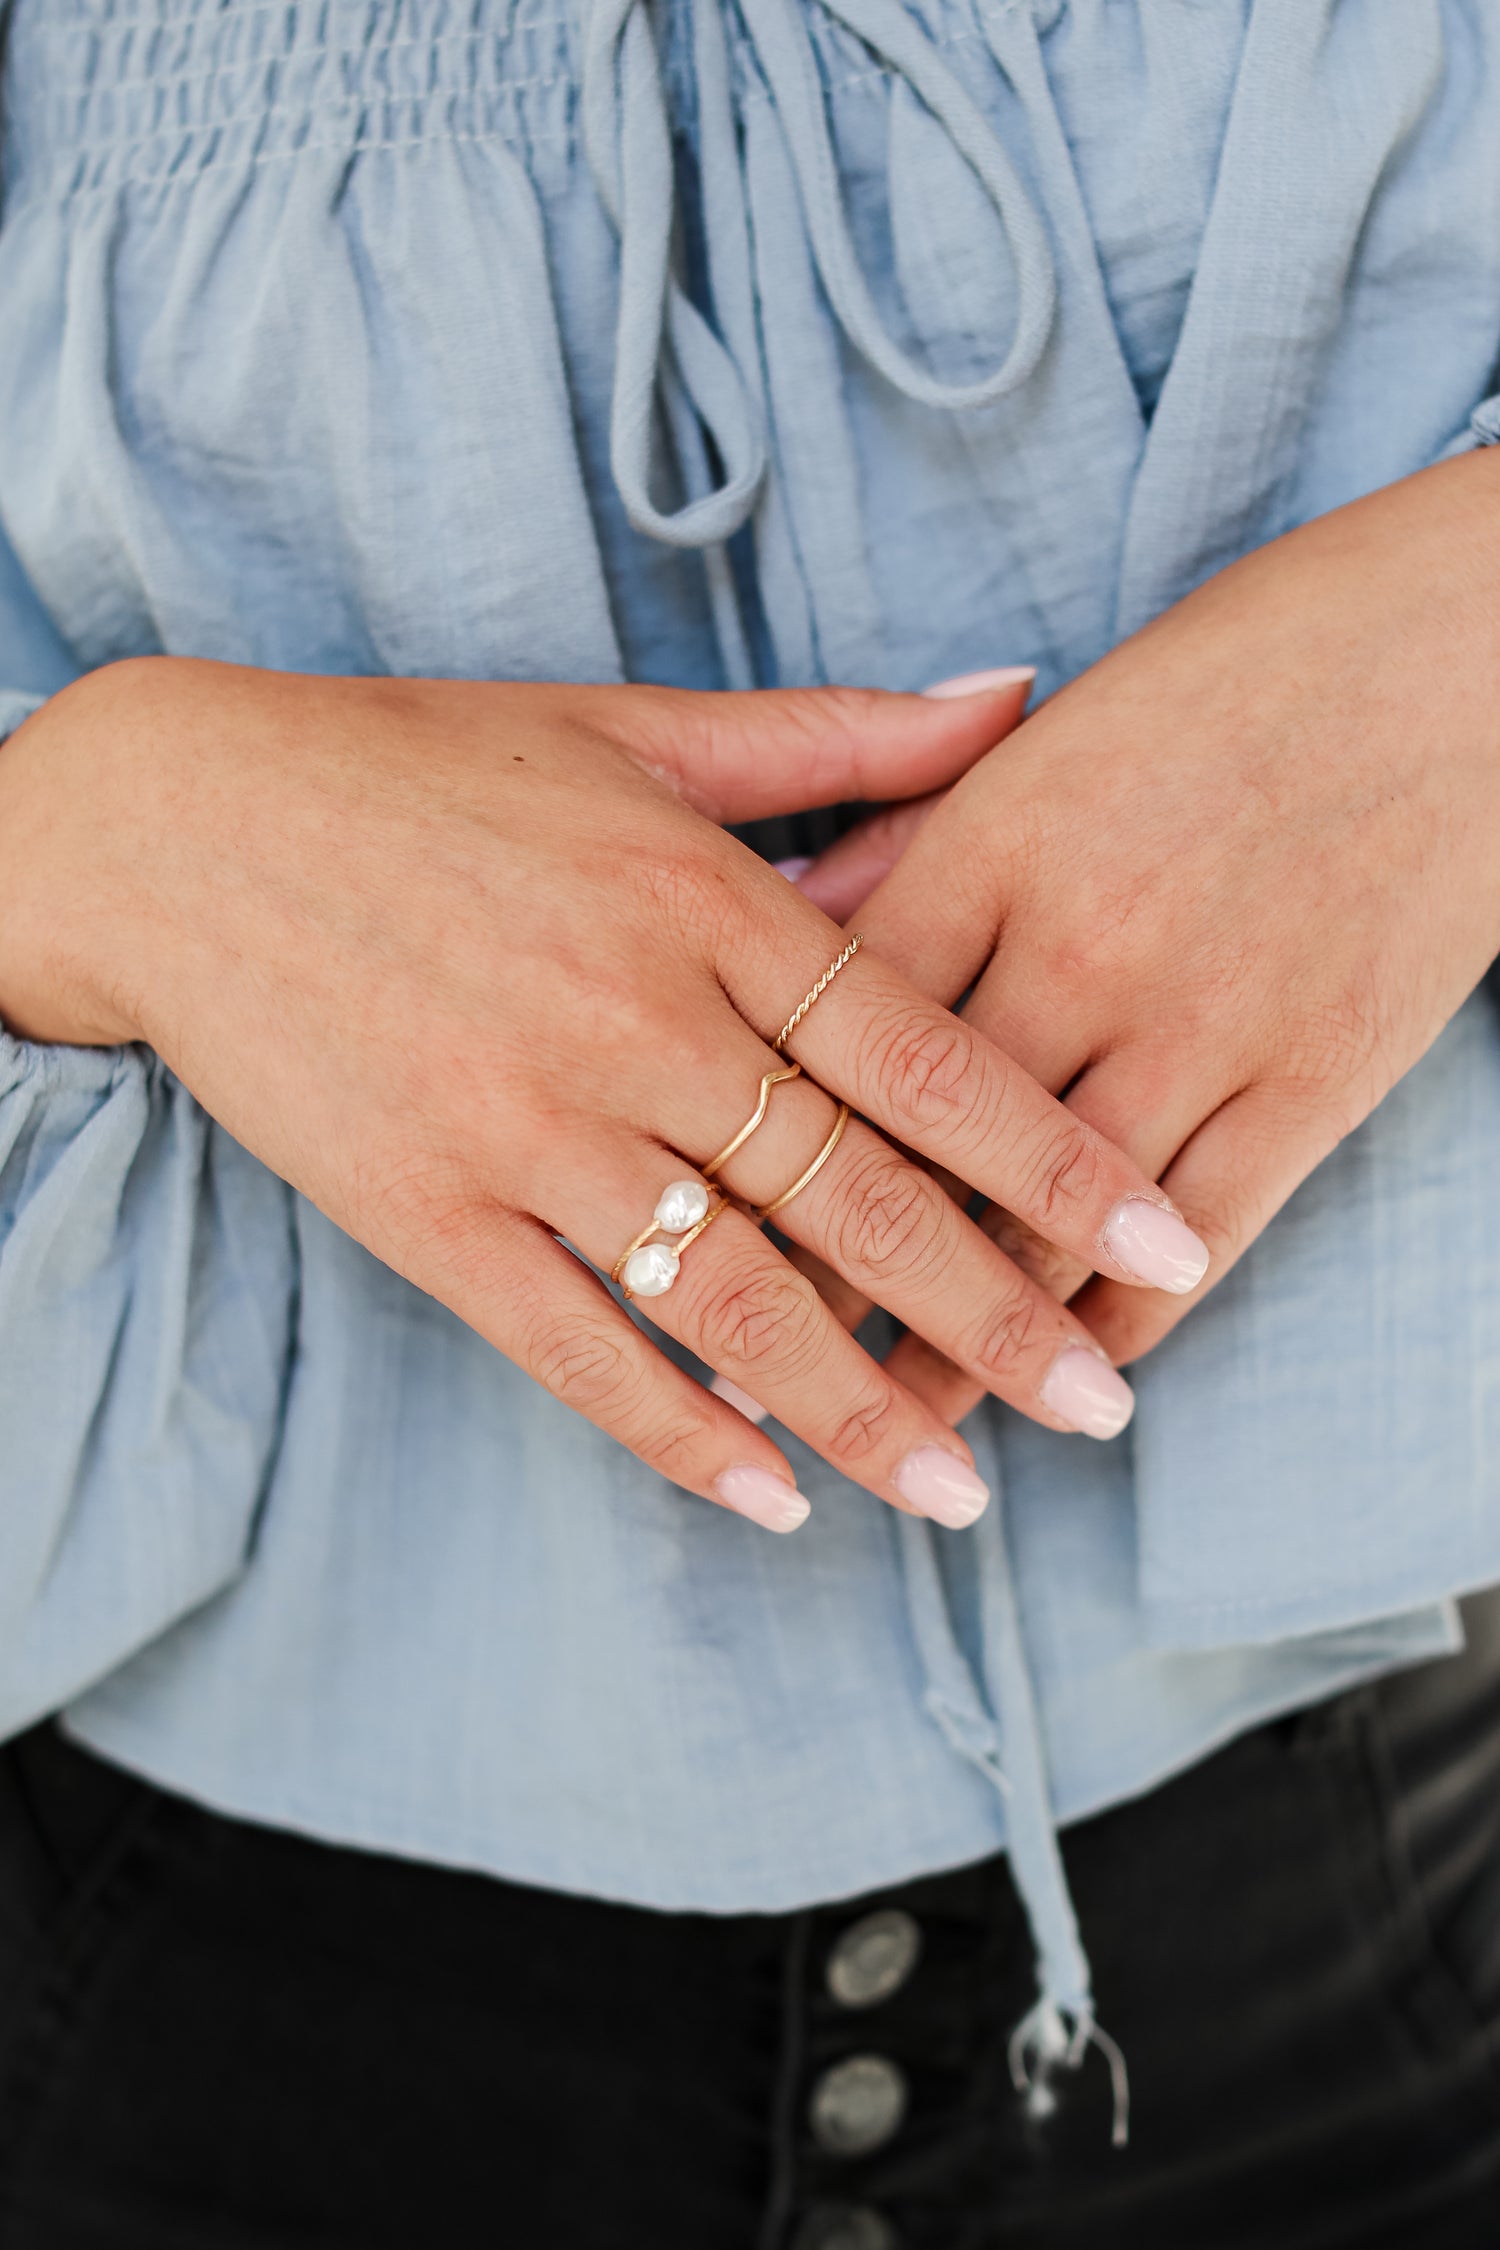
745 756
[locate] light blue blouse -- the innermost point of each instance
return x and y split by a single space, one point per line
708 341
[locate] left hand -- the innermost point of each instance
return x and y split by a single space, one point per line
1229 885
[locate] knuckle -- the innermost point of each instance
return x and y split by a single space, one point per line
1007 1334
886 1216
679 1446
926 1065
684 893
756 1318
589 1370
862 1432
1064 1179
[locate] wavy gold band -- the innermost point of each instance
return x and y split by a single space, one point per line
764 1210
772 1079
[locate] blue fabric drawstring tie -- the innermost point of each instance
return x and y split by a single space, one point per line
667 357
996 1728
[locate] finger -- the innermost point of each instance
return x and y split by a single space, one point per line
738 757
938 1086
950 1390
533 1300
888 1227
746 1312
849 1307
842 878
1235 1173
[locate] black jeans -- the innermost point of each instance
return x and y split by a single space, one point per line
214 2037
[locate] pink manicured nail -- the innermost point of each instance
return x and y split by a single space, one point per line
980 683
791 868
942 1486
1155 1245
740 1400
762 1496
1084 1391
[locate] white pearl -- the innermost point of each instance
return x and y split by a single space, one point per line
651 1270
681 1206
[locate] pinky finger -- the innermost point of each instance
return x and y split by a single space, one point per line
548 1312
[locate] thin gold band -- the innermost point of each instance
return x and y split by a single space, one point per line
817 992
765 1209
732 1148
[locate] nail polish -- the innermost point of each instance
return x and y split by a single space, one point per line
942 1486
764 1497
791 868
1084 1391
1155 1245
740 1400
979 683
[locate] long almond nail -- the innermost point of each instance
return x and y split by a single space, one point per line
1084 1391
980 683
942 1486
765 1498
740 1400
1155 1245
791 868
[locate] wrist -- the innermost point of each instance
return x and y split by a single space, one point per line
64 839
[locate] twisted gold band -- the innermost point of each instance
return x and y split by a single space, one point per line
772 1079
803 1179
817 992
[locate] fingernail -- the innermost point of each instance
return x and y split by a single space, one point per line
980 683
1084 1391
765 1498
942 1486
1155 1245
740 1400
791 868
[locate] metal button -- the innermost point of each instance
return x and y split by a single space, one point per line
873 1958
845 2226
857 2105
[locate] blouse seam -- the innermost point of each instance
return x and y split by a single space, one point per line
85 151
173 81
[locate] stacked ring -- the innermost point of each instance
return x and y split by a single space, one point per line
803 1179
768 1084
648 1269
817 992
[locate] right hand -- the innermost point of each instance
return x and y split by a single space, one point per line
461 963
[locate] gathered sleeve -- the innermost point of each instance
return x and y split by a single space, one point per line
147 1313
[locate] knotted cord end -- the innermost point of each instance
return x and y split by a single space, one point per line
1044 2031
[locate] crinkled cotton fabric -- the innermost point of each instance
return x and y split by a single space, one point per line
707 342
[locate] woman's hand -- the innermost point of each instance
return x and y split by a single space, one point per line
466 966
1228 887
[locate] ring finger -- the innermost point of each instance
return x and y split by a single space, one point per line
744 1310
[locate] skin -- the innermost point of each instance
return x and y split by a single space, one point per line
1227 888
473 966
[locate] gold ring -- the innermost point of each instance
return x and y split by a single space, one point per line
648 1269
765 1209
732 1148
817 992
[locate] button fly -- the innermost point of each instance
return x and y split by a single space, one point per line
845 2226
857 2105
873 1958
